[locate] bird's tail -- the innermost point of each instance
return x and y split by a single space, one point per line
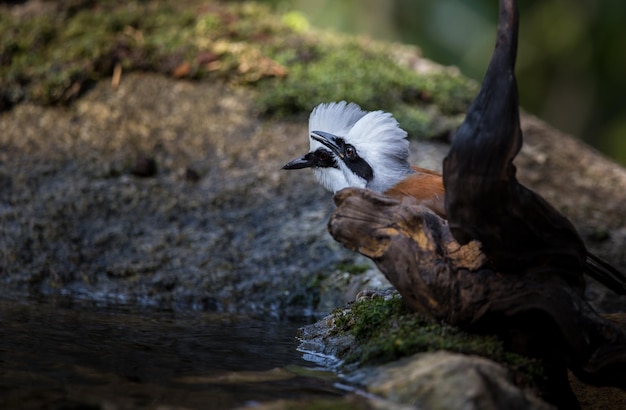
606 274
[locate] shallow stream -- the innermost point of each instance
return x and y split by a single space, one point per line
72 356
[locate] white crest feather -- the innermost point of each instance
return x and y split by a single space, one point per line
335 118
377 137
381 142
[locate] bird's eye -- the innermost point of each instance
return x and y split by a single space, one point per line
350 152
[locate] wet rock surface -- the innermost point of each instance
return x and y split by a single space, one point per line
77 220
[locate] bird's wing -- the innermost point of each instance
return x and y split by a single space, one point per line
425 186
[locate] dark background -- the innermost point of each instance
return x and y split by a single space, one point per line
571 63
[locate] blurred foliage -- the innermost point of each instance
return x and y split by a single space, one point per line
571 64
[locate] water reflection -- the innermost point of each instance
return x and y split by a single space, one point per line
55 356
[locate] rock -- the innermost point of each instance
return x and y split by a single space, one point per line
443 380
428 380
343 286
245 236
379 346
321 344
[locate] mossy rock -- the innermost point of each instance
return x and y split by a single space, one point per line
384 330
53 55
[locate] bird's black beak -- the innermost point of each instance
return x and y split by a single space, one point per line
329 141
305 161
309 160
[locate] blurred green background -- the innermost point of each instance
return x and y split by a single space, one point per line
571 63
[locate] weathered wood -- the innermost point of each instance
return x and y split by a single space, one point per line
524 280
453 283
518 229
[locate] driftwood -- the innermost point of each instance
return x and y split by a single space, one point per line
453 283
524 278
518 229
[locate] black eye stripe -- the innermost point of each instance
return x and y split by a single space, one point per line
360 167
352 159
340 151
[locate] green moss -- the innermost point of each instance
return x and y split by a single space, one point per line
386 330
349 69
451 93
347 72
53 57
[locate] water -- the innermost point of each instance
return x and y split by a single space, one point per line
82 357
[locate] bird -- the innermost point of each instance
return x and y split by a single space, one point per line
351 147
478 193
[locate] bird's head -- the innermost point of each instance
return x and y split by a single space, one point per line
355 148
